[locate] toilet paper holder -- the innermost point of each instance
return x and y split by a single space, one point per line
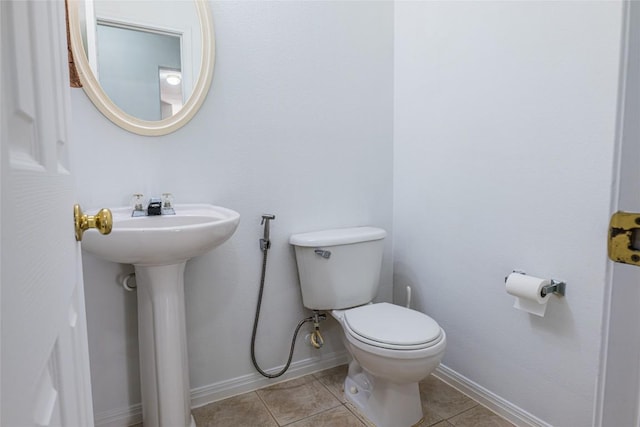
557 287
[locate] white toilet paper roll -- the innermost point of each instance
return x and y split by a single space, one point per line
527 290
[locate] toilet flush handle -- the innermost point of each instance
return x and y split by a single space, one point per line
323 253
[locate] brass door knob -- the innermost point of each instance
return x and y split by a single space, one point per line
102 221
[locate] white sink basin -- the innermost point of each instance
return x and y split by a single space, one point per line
164 239
159 248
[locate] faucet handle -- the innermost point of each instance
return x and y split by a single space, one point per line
167 204
167 200
136 203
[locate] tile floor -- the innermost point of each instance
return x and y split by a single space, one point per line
317 400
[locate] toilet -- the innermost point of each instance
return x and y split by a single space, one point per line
392 348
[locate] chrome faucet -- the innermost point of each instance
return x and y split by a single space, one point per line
138 209
155 206
167 204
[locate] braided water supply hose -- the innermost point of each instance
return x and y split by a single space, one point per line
316 338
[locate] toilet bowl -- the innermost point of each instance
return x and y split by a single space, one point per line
392 349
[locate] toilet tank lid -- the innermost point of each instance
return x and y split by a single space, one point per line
338 236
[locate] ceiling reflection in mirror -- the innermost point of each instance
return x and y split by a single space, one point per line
144 59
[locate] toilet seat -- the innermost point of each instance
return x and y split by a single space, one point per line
392 327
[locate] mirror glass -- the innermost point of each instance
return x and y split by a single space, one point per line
146 65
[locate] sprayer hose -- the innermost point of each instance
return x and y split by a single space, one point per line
255 326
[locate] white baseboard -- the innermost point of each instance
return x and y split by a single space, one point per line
204 395
221 390
121 417
495 403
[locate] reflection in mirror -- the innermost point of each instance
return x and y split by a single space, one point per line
141 62
128 41
171 98
129 64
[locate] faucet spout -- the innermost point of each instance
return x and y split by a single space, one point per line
154 207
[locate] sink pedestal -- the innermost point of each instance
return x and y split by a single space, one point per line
164 365
159 246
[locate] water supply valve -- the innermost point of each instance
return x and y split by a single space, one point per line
316 337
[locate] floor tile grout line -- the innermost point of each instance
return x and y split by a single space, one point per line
273 417
481 406
313 415
488 409
358 416
311 379
309 416
340 399
461 412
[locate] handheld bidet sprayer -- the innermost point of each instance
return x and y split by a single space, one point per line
265 243
316 337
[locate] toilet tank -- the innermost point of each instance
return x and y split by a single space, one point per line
339 268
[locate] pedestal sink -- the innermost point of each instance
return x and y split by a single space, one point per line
159 247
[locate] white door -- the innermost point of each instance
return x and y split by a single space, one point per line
44 354
618 400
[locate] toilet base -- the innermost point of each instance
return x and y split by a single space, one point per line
384 403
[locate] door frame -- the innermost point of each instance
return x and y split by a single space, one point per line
617 400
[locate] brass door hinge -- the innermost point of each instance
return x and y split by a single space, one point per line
623 233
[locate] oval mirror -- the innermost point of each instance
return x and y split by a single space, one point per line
146 65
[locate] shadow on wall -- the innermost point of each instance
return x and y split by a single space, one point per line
131 326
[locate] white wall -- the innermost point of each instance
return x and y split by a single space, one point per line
499 118
298 123
504 122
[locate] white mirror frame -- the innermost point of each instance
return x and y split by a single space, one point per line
114 113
